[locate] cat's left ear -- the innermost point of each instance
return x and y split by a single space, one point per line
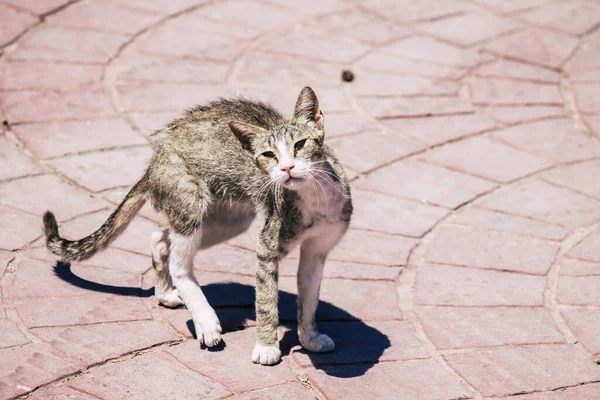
246 133
307 109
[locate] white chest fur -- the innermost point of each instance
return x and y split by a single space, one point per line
321 202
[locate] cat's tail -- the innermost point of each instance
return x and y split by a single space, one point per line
77 250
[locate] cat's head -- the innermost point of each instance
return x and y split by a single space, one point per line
290 153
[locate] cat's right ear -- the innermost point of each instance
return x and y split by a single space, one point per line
245 133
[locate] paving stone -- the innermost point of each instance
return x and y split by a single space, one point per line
60 392
576 17
510 6
20 164
386 214
224 366
587 249
165 7
583 76
426 49
195 21
414 106
593 124
150 122
11 335
513 115
369 247
422 379
481 248
14 23
534 46
357 342
377 148
145 376
368 84
37 194
487 158
544 202
444 285
585 325
5 258
513 370
20 75
54 139
17 229
575 267
578 290
469 28
231 318
584 392
90 344
379 61
38 106
289 391
93 308
345 270
425 182
410 10
227 259
553 139
493 91
103 170
586 59
438 130
25 368
518 71
311 7
585 97
36 6
492 220
458 327
347 123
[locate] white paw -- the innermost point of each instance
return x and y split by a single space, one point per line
266 355
208 330
170 299
319 343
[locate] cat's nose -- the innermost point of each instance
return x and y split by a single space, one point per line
288 169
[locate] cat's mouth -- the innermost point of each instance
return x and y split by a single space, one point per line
292 180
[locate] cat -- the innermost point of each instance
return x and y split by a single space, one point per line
212 171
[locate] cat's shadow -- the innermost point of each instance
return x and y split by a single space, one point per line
357 343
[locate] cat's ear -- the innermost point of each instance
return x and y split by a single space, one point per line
307 109
246 133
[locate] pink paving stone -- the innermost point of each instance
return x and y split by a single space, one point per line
107 169
584 76
54 139
515 70
37 194
586 97
578 177
20 165
90 344
20 75
411 10
414 106
147 211
587 249
260 68
144 377
425 182
25 368
223 258
575 267
290 391
312 6
11 335
578 290
37 7
368 84
444 285
513 115
425 49
5 258
103 17
168 96
413 380
438 130
373 248
150 122
512 370
477 247
492 91
554 139
487 158
586 59
585 325
357 342
345 270
195 21
61 392
17 229
584 392
345 124
574 17
469 28
386 214
458 327
378 61
38 106
510 6
377 148
261 16
232 366
14 22
479 217
534 46
93 308
166 7
544 202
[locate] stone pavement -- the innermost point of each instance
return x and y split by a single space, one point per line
471 132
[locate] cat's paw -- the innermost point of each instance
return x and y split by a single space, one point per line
170 299
266 355
208 330
319 343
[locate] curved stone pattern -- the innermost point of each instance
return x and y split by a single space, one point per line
471 132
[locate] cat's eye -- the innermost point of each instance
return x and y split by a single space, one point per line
269 154
299 144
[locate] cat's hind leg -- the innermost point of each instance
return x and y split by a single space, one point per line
164 291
